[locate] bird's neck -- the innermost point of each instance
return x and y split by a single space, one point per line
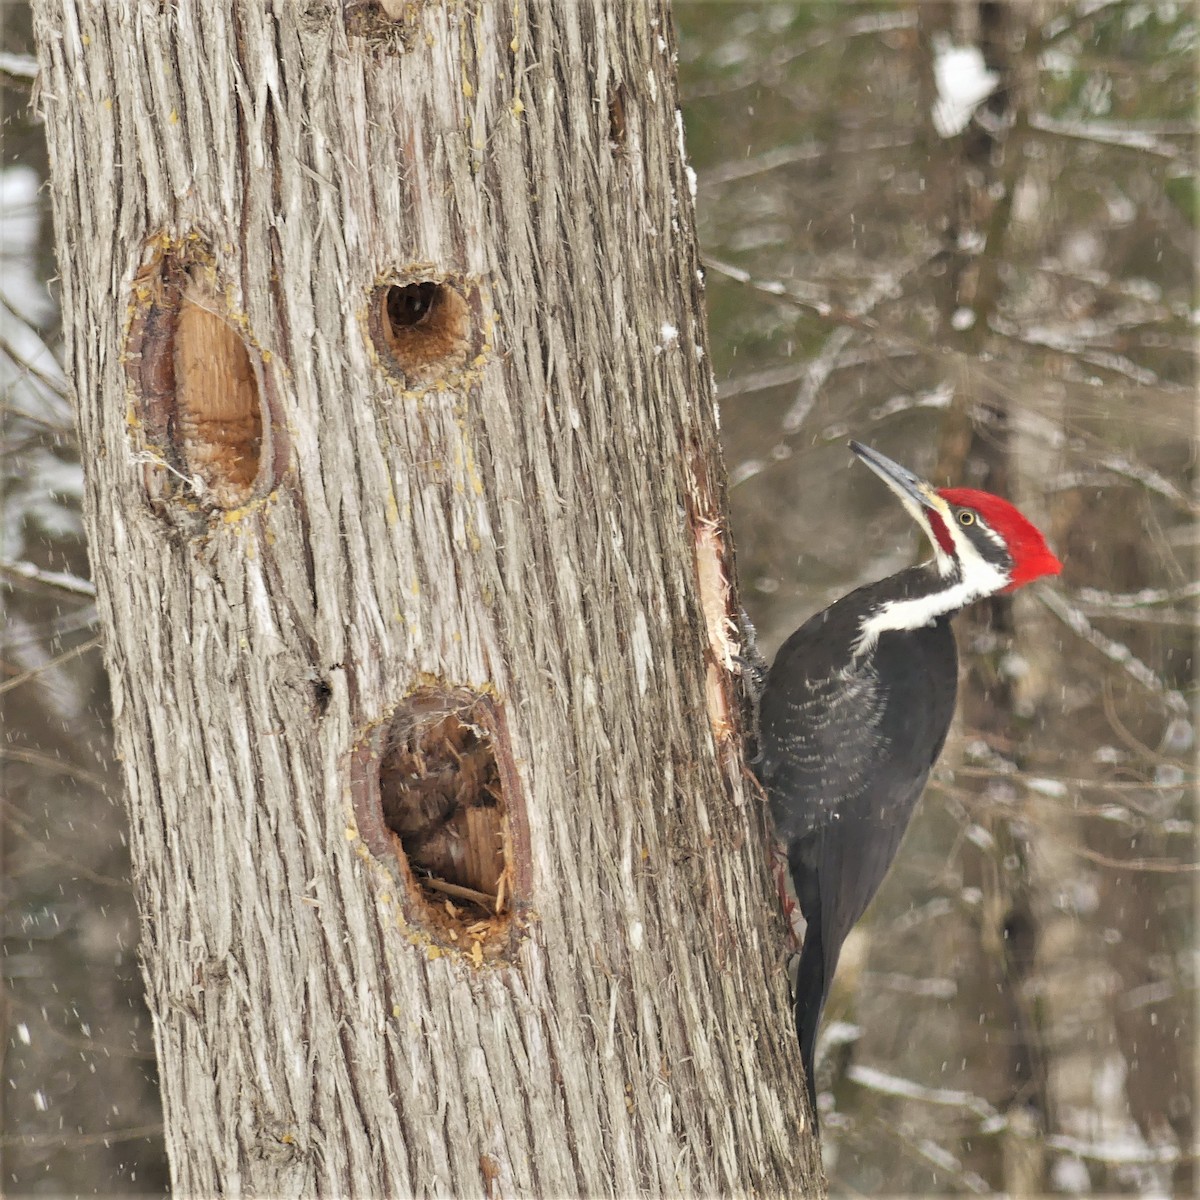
912 600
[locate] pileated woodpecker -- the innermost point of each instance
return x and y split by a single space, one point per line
856 708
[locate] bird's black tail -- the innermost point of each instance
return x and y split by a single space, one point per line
812 986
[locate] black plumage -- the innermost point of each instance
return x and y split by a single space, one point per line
856 708
855 737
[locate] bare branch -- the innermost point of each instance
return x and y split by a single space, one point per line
48 762
1145 598
74 1139
1114 1152
57 661
1113 650
18 66
894 1085
1157 866
1109 133
63 580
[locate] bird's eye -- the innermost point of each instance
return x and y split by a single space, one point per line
966 517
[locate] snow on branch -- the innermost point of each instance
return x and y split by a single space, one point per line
18 66
1107 133
1114 651
1146 598
63 580
1114 1151
895 1085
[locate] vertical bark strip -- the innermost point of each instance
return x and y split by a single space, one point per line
513 522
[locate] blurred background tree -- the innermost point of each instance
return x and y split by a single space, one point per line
962 232
965 233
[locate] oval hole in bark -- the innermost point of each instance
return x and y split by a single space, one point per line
197 392
436 794
422 330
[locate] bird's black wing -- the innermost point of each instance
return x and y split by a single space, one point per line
820 740
850 739
845 758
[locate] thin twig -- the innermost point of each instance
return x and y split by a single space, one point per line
57 661
1116 652
58 579
1161 866
1108 133
1146 598
461 893
67 1138
35 758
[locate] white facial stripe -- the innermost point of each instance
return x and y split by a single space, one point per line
977 578
973 567
911 614
991 535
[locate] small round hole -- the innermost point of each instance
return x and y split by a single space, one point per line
424 331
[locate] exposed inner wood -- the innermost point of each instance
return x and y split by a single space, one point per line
195 388
443 800
441 797
219 422
386 23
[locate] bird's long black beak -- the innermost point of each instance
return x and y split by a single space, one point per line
902 481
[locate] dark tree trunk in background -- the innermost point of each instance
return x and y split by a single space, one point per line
962 232
408 528
1014 857
980 448
1005 1052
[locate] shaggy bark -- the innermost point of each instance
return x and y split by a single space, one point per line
407 524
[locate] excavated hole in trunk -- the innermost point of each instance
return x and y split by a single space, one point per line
441 807
423 330
197 391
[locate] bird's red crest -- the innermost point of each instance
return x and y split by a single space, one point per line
1032 558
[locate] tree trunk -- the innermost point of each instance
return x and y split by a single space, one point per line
999 966
408 527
